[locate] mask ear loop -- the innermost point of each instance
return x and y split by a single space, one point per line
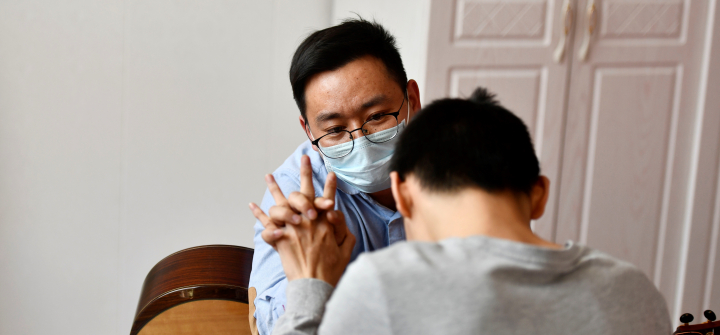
322 154
309 130
311 134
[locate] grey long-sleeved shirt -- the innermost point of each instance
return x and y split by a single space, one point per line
478 285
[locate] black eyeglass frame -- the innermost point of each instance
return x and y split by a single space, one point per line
352 139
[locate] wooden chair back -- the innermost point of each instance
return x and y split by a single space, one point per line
200 290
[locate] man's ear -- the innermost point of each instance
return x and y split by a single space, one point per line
539 197
413 92
403 202
306 129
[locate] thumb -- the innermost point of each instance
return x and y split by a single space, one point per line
337 221
346 247
323 204
271 234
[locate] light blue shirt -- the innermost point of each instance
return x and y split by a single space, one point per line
374 226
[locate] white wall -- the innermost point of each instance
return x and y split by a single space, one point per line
130 130
407 20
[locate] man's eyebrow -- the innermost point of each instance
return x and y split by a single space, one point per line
378 99
326 116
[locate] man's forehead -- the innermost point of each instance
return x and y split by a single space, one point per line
357 85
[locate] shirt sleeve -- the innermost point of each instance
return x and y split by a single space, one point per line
267 276
306 304
357 306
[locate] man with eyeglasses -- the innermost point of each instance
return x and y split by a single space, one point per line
354 99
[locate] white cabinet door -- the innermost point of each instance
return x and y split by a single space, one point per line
621 124
507 47
631 126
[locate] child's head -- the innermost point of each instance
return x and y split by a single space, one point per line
453 145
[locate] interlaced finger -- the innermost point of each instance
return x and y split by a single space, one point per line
275 190
271 235
347 246
327 201
283 214
301 204
323 204
330 186
337 220
306 184
259 214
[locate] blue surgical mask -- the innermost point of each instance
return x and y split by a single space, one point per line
366 167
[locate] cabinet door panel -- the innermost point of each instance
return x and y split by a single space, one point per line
627 185
506 84
479 20
507 47
641 20
627 157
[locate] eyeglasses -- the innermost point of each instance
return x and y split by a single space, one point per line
379 129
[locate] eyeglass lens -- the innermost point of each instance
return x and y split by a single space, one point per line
376 130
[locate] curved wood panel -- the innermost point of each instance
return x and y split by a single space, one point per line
217 317
212 272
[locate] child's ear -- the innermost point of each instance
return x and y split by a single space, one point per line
539 197
403 201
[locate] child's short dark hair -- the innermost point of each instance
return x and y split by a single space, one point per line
454 143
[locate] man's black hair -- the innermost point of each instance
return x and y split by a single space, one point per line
332 48
454 143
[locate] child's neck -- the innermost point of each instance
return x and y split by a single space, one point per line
470 212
